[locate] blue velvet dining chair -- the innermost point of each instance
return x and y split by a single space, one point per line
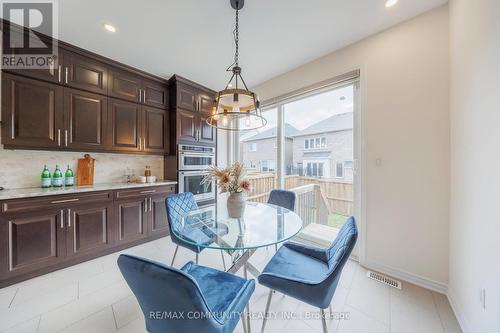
178 206
309 274
192 299
282 198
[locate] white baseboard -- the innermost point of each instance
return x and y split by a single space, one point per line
420 281
464 325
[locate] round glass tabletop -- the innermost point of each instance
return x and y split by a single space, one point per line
261 225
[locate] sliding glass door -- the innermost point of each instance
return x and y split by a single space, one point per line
308 146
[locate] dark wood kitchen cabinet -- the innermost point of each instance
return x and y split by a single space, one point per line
124 125
85 120
154 94
192 105
125 86
90 228
42 234
155 130
85 73
31 241
32 114
131 219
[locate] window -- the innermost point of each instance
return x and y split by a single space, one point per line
267 165
314 169
348 164
252 147
315 143
339 170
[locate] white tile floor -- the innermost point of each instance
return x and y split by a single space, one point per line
93 297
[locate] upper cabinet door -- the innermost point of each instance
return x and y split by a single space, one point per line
207 132
205 102
155 133
154 94
85 118
85 73
31 113
124 123
125 86
186 126
186 98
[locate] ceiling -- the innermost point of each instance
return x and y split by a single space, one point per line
193 38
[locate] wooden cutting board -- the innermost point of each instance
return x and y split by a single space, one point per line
85 170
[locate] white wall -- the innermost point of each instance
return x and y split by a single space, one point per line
405 113
475 163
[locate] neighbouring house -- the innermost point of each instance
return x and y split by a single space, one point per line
258 152
325 149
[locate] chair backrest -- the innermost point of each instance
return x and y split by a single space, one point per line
342 246
282 198
165 294
178 206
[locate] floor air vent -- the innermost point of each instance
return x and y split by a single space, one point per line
384 279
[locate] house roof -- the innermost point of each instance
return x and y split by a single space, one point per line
335 123
272 132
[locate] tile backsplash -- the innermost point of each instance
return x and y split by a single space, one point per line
22 168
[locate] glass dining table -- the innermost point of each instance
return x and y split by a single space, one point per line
261 225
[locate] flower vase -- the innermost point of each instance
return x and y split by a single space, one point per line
236 205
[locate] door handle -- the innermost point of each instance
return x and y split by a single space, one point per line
145 205
66 75
144 96
66 138
62 219
59 137
150 204
140 95
59 73
69 218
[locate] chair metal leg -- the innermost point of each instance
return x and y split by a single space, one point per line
331 312
245 273
266 312
196 258
323 320
244 322
223 261
175 253
275 247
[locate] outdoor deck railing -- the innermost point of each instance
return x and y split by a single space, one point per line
337 194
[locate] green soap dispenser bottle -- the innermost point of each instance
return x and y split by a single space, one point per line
69 177
45 178
57 177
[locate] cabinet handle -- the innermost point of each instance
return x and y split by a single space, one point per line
144 96
59 137
140 143
140 95
62 219
65 138
150 204
63 201
145 205
59 74
69 218
149 191
66 75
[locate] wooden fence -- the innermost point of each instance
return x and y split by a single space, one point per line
338 194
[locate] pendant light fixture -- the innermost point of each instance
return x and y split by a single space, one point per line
236 108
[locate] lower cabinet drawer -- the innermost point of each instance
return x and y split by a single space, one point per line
144 191
55 201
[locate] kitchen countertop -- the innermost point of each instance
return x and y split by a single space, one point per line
18 193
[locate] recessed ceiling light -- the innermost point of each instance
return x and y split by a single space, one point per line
390 3
109 27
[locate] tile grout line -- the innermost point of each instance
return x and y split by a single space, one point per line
39 321
12 300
